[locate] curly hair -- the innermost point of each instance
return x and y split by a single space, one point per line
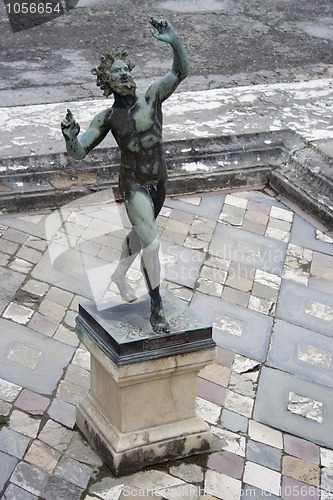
102 71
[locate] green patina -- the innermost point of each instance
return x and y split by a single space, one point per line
136 124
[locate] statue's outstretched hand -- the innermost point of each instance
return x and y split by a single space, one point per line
69 126
162 30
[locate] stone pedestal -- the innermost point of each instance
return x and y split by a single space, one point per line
141 406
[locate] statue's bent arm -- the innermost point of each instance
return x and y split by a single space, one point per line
164 87
96 132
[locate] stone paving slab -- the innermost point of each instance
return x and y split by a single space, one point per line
273 399
234 327
302 352
10 281
247 248
268 396
30 359
303 234
305 307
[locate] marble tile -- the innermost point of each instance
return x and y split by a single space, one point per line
13 443
81 451
233 421
327 479
303 234
181 264
222 486
236 296
33 403
209 207
36 287
207 410
14 492
24 424
30 478
58 488
55 435
18 313
264 434
191 473
305 407
9 391
277 414
210 391
268 255
82 359
62 412
231 441
43 456
48 367
242 384
326 457
305 472
295 306
281 214
256 328
302 449
227 463
263 454
216 373
303 352
262 477
8 464
292 487
256 493
10 281
43 324
73 471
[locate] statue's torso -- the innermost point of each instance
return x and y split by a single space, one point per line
138 132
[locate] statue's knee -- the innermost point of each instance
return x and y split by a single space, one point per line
153 247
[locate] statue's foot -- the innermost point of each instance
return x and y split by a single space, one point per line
126 291
158 321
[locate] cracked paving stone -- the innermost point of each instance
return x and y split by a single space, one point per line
233 422
13 443
14 492
208 411
43 456
9 391
222 486
30 478
230 441
56 436
24 424
76 472
63 412
190 473
58 488
238 403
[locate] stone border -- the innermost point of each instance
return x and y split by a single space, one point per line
280 159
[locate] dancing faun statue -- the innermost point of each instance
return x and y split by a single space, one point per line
136 124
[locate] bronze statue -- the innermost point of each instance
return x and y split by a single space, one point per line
136 124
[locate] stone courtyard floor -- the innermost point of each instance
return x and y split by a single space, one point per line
257 267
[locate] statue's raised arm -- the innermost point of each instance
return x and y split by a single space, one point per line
164 31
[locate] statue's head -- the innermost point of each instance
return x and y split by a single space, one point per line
113 73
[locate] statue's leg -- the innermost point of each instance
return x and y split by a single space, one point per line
130 249
141 211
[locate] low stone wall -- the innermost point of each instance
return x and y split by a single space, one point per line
281 159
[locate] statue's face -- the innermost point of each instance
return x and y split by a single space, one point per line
121 81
